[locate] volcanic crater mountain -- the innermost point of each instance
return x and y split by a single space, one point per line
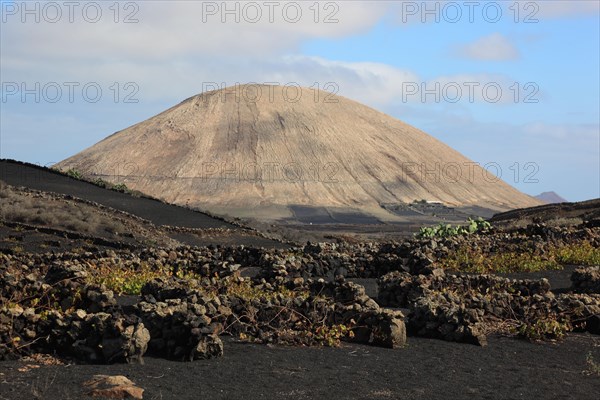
259 150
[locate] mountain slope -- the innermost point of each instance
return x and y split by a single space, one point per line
550 198
269 147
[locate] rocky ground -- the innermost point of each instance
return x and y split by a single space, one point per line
504 311
585 210
198 303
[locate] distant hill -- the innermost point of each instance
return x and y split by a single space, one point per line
584 210
551 198
262 154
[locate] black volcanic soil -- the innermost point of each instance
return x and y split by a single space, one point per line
33 177
34 240
426 369
586 210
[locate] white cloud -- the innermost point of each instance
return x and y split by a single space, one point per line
371 83
170 29
375 84
368 82
494 47
176 46
171 53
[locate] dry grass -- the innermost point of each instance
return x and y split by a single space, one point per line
578 254
126 280
29 208
41 209
467 259
476 261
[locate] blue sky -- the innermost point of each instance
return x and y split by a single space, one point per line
162 52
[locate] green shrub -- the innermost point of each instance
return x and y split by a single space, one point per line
332 335
446 230
549 328
73 173
101 182
121 187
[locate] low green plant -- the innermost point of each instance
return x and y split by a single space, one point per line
446 230
121 187
467 259
441 230
127 280
477 225
101 182
583 253
548 328
477 261
332 335
73 173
